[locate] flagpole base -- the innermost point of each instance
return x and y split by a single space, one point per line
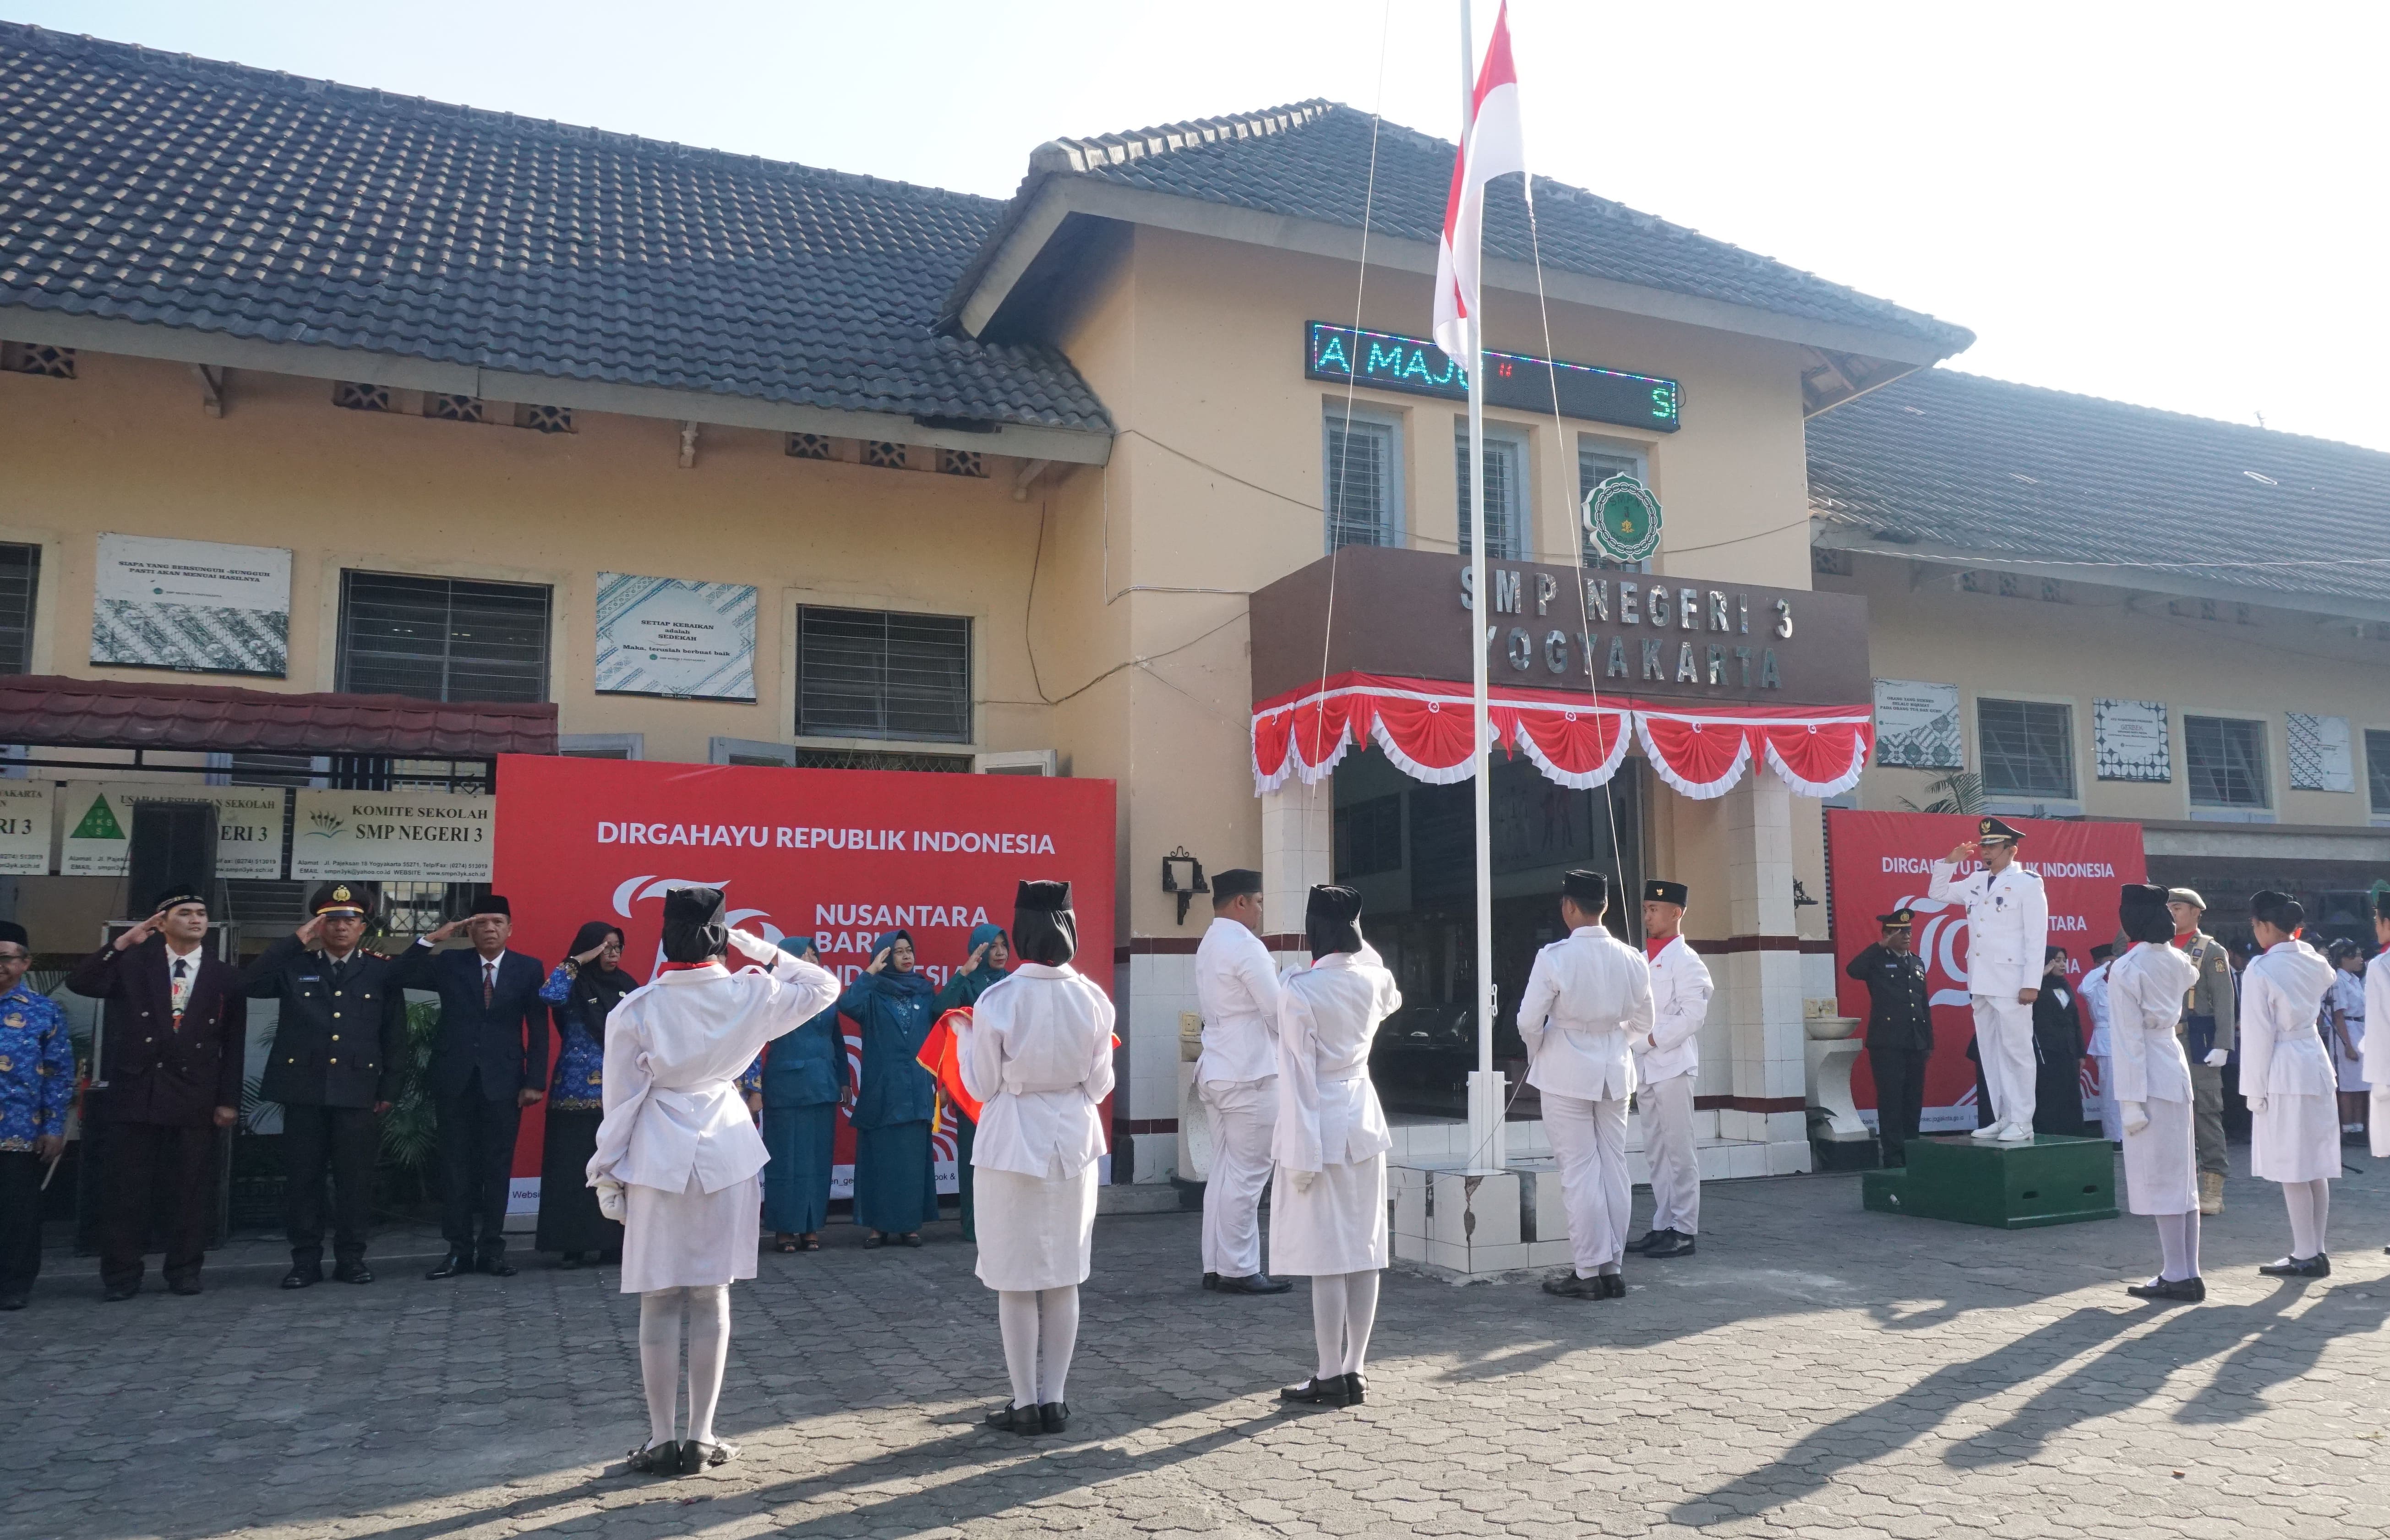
1489 1142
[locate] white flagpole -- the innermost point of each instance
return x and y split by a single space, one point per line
1485 1099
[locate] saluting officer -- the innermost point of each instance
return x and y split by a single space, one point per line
1899 1030
338 1048
2008 934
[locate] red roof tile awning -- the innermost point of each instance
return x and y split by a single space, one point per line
55 710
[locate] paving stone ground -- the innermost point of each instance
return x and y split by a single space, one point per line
1814 1370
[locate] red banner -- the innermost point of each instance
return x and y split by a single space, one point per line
1879 862
840 855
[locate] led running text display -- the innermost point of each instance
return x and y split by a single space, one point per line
1389 362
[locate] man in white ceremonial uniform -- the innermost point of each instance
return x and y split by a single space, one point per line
1666 1060
2374 1051
1237 993
2008 937
2154 1095
1328 1208
2286 1077
1588 1003
2093 990
678 1158
1038 1054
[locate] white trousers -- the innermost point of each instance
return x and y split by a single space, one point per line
1589 1143
1667 1108
2111 1120
2004 1043
1244 1115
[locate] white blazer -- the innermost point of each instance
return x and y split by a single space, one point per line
1237 993
2281 1052
2144 1000
673 1050
1680 1002
1588 1003
2094 993
1038 1054
2007 926
1328 1111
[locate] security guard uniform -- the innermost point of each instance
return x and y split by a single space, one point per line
338 1049
1899 1034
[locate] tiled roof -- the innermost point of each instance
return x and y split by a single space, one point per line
182 192
57 712
1312 160
2003 472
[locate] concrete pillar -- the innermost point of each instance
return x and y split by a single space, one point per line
1298 852
1763 981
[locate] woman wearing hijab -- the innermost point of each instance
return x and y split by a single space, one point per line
581 993
990 955
679 1160
2287 1080
1328 1201
1038 1054
2057 1050
805 1079
892 1006
2146 987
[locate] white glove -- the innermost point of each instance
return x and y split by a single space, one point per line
612 1200
2136 1116
1303 1179
753 948
2215 1058
2259 1102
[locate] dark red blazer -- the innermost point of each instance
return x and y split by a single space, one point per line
155 1071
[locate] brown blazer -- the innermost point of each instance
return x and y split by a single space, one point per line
154 1071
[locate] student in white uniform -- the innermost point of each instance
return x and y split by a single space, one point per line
1038 1054
1327 1205
2343 1007
2008 935
2286 1078
2093 992
2375 1049
1236 990
1666 1060
678 1158
2144 994
1588 1003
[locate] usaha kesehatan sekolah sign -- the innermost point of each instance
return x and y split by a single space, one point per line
841 855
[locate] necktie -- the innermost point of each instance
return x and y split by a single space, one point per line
178 995
489 983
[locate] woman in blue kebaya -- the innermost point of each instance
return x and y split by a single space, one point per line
805 1079
581 993
892 1006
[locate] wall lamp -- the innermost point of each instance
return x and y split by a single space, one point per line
1182 875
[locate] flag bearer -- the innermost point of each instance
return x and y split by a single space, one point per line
1666 1060
1236 990
2153 1090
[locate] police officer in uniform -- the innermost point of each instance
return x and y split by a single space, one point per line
338 1048
2008 932
1899 1030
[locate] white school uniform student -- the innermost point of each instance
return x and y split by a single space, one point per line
2344 1010
2008 937
2144 995
1587 1002
1236 990
2093 992
1327 1205
1038 1054
678 1159
2375 1049
1664 1065
2286 1078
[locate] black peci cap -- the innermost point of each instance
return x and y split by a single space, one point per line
1590 890
494 905
1332 920
1658 890
1235 882
175 894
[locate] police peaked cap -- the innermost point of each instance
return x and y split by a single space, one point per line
1900 919
1589 890
338 898
1235 882
1659 891
1994 829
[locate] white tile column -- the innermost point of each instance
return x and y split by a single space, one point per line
1298 852
1764 984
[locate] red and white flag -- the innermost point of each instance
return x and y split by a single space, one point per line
1492 144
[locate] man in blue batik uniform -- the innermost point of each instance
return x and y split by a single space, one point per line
36 1084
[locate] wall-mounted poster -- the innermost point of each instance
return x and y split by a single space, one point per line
25 808
390 837
2319 747
692 641
191 604
1917 725
2128 740
97 817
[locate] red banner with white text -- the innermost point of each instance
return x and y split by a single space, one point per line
1880 862
840 855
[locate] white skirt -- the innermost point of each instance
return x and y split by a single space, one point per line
2296 1138
1034 1232
690 1239
2161 1161
1338 1226
2349 1067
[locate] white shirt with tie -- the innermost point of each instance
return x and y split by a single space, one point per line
182 972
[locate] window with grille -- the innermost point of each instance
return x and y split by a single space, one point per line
1364 477
41 358
961 462
881 674
2377 769
1506 490
810 446
1369 837
2226 759
442 639
20 578
888 457
355 396
1597 461
2028 747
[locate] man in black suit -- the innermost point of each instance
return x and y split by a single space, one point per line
340 1044
172 1038
1900 1032
487 1065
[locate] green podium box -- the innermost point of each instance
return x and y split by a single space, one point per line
2054 1180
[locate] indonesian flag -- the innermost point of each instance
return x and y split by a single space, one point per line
1492 144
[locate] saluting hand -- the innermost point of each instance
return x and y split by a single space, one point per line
308 934
141 932
443 932
1963 851
877 962
582 959
979 955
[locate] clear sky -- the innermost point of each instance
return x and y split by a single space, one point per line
2181 205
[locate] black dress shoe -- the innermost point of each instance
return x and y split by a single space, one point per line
1357 1390
185 1286
1212 1280
1568 1286
874 1241
303 1277
696 1456
1671 1243
1613 1286
496 1267
1255 1283
1053 1415
2190 1291
2316 1266
351 1272
1316 1392
1651 1239
912 1238
1001 1417
656 1459
455 1263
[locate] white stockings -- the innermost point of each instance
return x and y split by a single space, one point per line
2310 1205
1041 1330
2178 1241
1344 1308
707 1314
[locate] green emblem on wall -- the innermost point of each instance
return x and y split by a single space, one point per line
98 823
1623 519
